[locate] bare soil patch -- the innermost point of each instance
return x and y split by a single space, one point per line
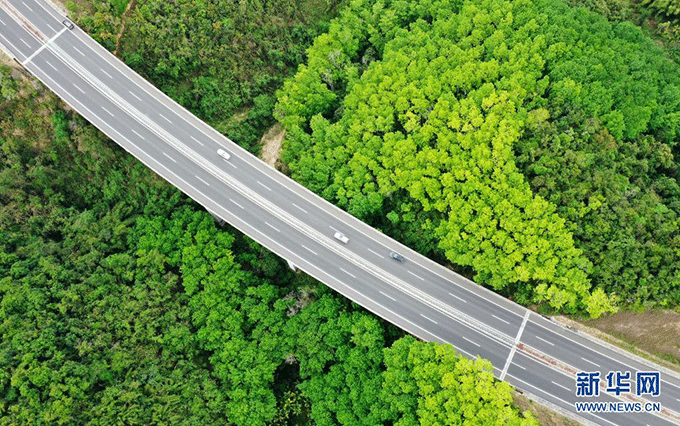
128 10
271 144
653 334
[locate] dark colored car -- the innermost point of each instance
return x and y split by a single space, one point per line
396 256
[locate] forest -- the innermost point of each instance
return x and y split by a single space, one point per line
123 302
529 145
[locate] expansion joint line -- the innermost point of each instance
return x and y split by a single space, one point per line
514 346
43 46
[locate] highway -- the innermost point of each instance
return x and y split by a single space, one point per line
531 352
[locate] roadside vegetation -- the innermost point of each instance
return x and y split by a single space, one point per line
529 144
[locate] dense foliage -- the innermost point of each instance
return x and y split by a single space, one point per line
528 141
666 7
122 302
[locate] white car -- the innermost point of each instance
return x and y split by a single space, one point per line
341 237
224 154
68 24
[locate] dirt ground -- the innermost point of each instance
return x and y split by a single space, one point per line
271 144
545 416
654 334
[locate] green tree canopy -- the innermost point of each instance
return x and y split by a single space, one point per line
411 116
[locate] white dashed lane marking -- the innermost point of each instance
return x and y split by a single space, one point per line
389 297
500 319
170 157
419 277
459 298
550 343
201 180
380 256
309 250
353 276
431 320
295 205
272 227
236 203
588 361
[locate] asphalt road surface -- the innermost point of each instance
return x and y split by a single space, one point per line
427 300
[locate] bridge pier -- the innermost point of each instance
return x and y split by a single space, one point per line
292 265
218 219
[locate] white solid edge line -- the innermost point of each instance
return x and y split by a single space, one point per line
513 312
563 373
283 248
43 46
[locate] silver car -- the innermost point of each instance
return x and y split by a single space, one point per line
341 237
224 154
